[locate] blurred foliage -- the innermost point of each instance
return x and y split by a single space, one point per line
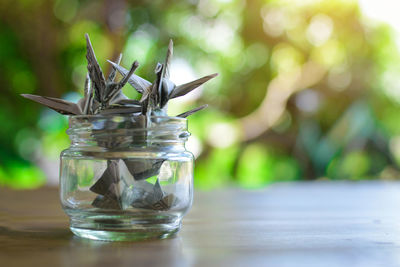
307 89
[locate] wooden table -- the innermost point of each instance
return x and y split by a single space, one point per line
303 224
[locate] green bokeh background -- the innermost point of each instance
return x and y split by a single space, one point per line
307 89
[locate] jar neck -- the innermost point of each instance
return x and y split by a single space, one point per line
107 133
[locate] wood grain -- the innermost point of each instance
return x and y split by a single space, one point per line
304 224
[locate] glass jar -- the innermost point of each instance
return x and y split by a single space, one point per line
125 177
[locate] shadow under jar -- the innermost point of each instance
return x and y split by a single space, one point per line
125 177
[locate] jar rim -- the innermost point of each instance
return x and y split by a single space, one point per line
118 131
134 124
107 116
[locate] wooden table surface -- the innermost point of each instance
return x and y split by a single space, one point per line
301 224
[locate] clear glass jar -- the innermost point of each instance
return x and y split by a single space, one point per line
126 178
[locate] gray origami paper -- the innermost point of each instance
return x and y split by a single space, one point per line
137 82
190 112
143 168
148 194
61 106
108 187
165 203
95 73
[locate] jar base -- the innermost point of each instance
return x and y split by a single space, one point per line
106 235
124 230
